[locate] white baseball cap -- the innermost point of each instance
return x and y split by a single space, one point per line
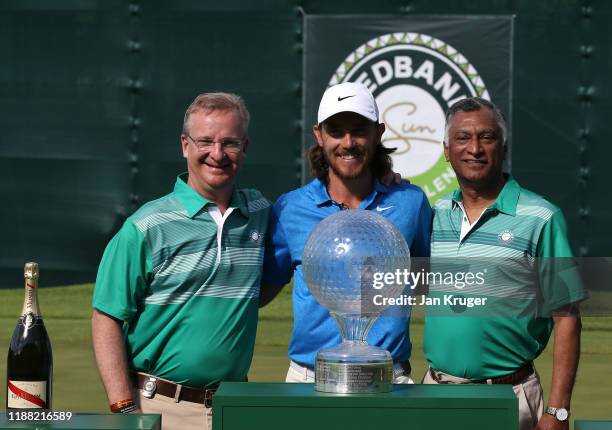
348 97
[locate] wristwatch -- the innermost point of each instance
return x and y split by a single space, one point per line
561 414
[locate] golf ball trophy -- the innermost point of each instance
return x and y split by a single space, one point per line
340 259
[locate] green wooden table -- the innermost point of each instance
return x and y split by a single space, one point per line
270 406
89 421
593 425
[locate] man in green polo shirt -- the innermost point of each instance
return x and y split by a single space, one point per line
511 234
176 297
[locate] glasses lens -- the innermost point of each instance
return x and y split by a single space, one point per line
231 145
228 145
204 144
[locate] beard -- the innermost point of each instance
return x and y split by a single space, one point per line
350 172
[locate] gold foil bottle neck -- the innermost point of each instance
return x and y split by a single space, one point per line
30 271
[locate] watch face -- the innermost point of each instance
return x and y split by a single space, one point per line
561 414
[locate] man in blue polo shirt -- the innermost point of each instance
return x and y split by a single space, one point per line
347 161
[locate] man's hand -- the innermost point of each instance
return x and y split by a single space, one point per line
392 178
548 422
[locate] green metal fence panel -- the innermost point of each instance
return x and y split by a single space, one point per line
92 95
63 163
595 50
254 53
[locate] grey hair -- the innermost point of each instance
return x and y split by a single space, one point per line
472 104
210 102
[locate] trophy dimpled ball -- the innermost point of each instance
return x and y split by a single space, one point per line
339 261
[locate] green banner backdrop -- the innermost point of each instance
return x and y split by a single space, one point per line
416 67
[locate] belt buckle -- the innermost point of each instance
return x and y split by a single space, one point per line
208 396
149 388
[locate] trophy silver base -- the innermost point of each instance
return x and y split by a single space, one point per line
354 367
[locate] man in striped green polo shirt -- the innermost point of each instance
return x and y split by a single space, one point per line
506 231
176 297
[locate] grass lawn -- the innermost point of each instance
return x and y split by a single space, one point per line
77 387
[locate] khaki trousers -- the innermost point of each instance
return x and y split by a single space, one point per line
299 373
529 394
177 415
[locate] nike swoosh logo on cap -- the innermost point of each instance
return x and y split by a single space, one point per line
345 97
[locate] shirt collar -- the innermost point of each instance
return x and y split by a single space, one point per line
193 202
506 200
321 195
239 201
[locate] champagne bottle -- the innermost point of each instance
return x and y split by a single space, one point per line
29 367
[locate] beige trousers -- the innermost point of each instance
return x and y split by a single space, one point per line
177 416
529 394
299 373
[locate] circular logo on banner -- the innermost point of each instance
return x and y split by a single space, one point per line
414 78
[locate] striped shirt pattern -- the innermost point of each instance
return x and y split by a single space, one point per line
183 251
507 243
190 307
504 242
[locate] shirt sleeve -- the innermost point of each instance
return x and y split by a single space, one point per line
122 276
560 281
278 267
420 246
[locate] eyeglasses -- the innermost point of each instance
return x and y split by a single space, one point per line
230 146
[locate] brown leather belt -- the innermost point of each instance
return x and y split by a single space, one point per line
512 379
151 385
